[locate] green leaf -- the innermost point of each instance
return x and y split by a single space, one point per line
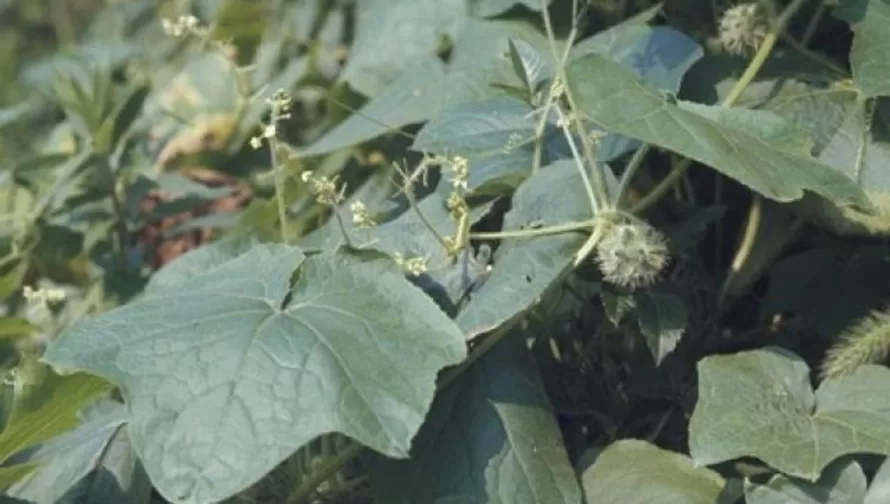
662 319
760 404
843 482
427 87
530 65
351 347
490 8
412 98
496 136
15 327
879 490
48 406
631 471
92 463
129 111
857 144
758 149
659 55
490 437
9 475
391 34
821 102
524 268
870 56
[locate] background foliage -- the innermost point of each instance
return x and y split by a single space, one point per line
430 251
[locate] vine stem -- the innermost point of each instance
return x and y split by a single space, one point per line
752 226
596 190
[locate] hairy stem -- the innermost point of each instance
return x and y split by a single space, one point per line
746 244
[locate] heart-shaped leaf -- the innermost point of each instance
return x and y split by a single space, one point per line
229 371
760 404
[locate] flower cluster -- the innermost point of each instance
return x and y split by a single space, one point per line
414 266
361 217
183 25
324 188
280 104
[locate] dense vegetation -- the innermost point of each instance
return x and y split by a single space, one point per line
444 251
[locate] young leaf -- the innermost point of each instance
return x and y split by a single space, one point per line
758 149
842 482
496 136
490 437
760 404
527 267
870 57
93 463
530 66
631 470
228 373
662 320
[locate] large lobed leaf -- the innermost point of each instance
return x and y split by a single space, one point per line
758 149
227 369
760 404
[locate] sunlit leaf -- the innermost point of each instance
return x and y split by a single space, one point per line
758 149
47 406
636 471
760 404
351 347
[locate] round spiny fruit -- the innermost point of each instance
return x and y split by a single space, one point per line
743 28
631 254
